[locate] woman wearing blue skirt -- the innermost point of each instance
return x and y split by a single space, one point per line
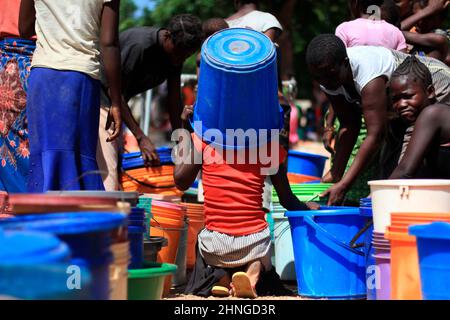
64 89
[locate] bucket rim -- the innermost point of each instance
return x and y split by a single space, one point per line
151 270
410 183
435 230
321 213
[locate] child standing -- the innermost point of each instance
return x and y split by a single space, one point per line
64 89
414 98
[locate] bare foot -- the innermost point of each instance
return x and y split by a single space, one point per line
254 270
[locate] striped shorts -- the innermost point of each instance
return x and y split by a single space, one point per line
226 251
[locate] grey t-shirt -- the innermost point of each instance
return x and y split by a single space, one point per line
145 64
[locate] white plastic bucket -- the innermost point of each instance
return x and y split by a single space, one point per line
284 251
118 271
403 196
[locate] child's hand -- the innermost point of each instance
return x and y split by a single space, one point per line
114 122
438 5
188 111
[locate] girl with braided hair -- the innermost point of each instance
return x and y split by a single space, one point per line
427 153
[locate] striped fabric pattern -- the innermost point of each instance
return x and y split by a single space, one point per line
225 251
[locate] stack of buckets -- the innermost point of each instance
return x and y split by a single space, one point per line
169 221
136 231
157 180
377 250
397 206
196 215
405 262
282 240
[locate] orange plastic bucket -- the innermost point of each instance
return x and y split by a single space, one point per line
405 274
195 226
171 230
301 178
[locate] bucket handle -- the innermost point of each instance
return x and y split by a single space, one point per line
310 221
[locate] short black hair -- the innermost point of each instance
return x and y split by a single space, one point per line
412 67
213 25
390 13
186 31
248 1
325 49
365 4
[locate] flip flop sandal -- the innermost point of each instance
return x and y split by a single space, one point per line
220 292
242 286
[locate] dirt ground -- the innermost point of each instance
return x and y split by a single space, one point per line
177 294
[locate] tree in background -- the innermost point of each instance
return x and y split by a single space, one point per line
301 19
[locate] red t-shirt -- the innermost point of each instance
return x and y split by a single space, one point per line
233 191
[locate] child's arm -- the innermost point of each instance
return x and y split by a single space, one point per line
109 41
438 43
188 162
425 130
27 19
434 6
287 199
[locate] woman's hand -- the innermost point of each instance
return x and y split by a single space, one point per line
336 194
148 151
114 122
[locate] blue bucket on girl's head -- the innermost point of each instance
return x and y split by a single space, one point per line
306 163
238 87
88 236
136 239
433 246
327 266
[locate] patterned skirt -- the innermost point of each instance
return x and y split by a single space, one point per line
15 61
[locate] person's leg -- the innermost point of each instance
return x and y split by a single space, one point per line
108 155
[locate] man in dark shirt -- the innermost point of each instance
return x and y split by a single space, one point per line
149 56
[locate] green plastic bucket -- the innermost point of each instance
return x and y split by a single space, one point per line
307 192
148 283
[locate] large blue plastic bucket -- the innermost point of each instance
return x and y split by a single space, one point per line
88 236
306 163
326 265
237 88
55 281
31 247
433 245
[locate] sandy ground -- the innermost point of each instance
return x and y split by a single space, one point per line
177 294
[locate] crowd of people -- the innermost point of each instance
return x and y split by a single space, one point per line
65 84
